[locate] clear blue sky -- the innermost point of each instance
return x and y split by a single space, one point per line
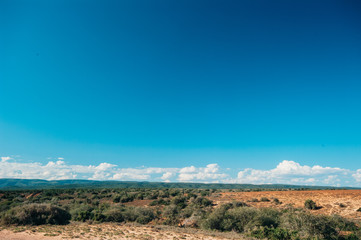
178 83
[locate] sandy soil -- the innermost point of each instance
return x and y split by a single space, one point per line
108 231
328 200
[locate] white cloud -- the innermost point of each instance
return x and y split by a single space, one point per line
212 168
357 175
105 166
190 169
4 159
132 176
293 172
166 176
104 171
285 172
50 171
209 173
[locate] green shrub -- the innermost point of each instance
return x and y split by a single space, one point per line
173 192
265 217
274 234
239 204
205 193
139 196
237 219
36 214
138 214
114 215
264 199
129 214
215 219
5 205
124 198
159 202
277 201
188 211
82 213
309 204
171 213
343 224
144 215
191 195
309 225
202 202
116 199
179 201
225 218
98 216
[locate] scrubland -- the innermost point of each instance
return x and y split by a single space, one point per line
179 214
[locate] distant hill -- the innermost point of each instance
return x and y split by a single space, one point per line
13 184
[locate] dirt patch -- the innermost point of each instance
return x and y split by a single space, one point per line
10 235
139 203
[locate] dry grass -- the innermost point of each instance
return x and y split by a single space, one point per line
110 231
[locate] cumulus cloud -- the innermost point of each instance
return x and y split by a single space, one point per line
105 166
50 171
190 169
4 159
55 170
357 175
286 172
129 175
295 173
166 176
209 173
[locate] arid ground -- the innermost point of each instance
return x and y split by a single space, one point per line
109 231
342 202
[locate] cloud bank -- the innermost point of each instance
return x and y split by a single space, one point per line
288 172
294 173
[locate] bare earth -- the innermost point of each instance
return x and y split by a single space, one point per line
109 231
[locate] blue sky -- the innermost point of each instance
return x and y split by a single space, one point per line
175 84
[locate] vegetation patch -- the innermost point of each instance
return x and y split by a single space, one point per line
186 208
310 204
35 214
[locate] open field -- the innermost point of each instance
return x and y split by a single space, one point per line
328 200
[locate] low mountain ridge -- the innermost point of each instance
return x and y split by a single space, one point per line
13 184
